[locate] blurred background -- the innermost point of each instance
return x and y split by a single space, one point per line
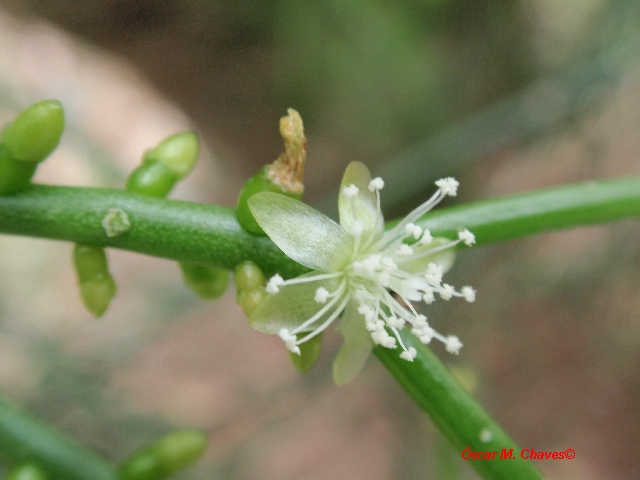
506 95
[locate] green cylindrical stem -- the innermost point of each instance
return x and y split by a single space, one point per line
25 439
27 471
207 282
454 411
172 454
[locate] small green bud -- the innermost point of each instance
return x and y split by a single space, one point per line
250 284
35 132
179 152
143 465
28 471
178 450
96 284
309 354
173 453
282 176
250 299
248 276
15 175
208 283
153 178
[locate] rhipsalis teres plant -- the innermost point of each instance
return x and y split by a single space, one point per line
373 280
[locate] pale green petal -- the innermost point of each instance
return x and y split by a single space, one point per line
356 347
302 233
363 207
292 305
444 258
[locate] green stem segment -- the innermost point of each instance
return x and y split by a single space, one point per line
454 411
211 235
25 439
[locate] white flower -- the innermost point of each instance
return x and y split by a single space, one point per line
361 272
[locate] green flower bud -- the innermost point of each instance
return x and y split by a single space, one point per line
208 283
179 152
153 178
173 453
143 465
250 299
248 276
309 354
282 176
27 471
164 165
178 450
250 283
35 132
96 284
15 175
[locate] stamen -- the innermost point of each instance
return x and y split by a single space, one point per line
448 186
447 292
376 184
453 344
404 250
329 321
273 284
414 230
321 295
467 237
350 191
427 238
314 278
289 340
338 293
469 294
409 355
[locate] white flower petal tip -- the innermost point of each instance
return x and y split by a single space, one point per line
453 344
467 237
448 186
367 276
376 184
274 283
409 354
350 191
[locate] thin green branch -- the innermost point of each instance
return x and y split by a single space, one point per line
456 413
25 439
518 216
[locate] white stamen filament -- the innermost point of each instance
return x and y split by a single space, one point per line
338 293
329 321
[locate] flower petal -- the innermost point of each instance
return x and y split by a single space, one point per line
364 206
444 258
356 347
302 233
293 305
